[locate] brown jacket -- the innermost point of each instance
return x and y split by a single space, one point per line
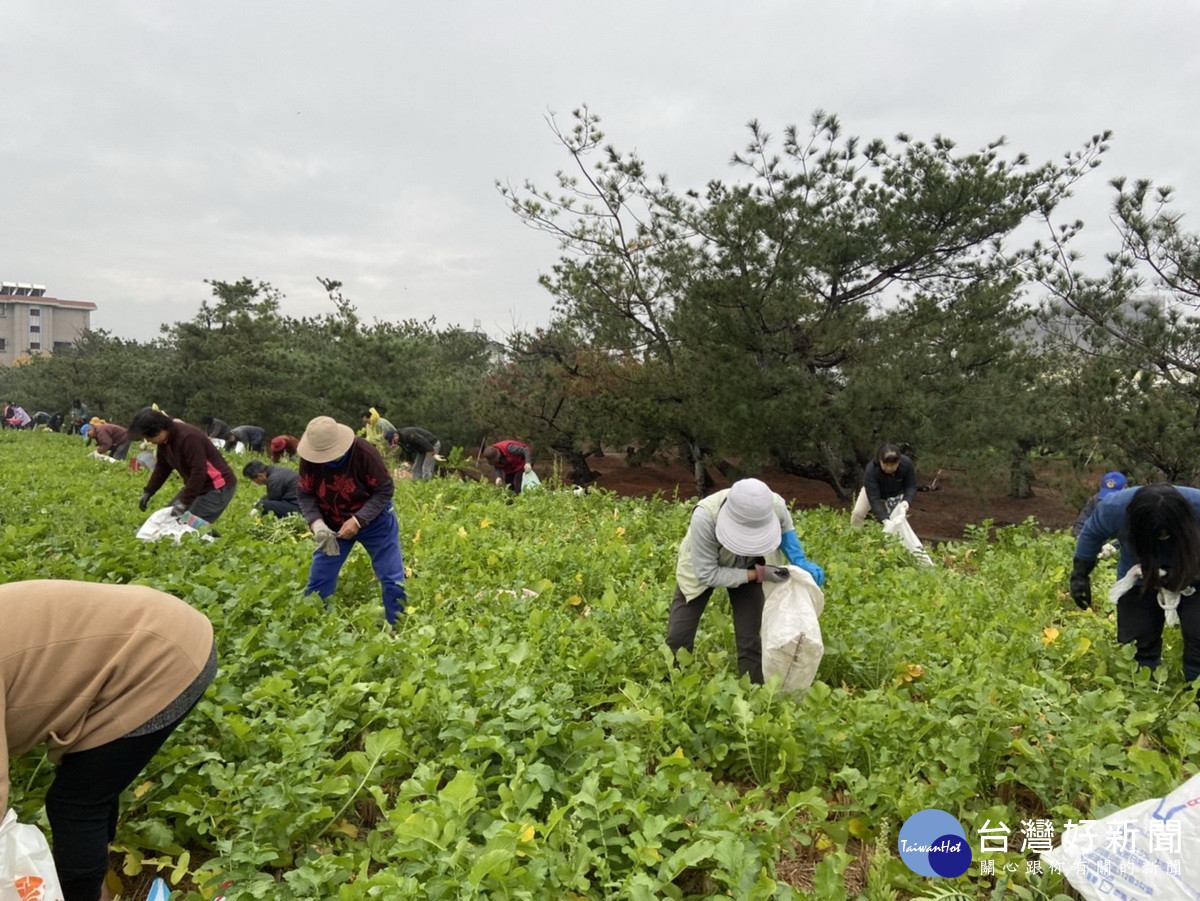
191 453
82 664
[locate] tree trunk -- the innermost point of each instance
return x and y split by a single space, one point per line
580 473
819 473
695 455
1021 472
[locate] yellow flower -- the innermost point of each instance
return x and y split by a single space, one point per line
1048 635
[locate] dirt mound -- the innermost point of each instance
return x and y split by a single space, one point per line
939 515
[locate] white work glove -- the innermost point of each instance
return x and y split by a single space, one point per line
1109 550
529 467
326 538
499 480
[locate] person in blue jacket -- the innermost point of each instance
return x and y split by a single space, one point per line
1158 527
737 540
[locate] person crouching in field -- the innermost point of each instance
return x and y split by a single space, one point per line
511 460
345 494
101 675
280 445
208 482
726 544
888 479
1158 570
282 497
111 439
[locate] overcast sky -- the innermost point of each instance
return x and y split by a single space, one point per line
147 146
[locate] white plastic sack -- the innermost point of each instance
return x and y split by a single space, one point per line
105 457
26 868
238 448
1149 850
791 634
530 481
897 524
162 524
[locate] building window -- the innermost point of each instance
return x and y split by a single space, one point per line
35 329
35 345
3 345
34 311
61 345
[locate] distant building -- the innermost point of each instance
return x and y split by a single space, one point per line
31 322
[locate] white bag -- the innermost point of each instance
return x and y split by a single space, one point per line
26 867
791 635
1149 850
96 455
162 524
530 481
897 524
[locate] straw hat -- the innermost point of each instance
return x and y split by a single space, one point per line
324 440
746 522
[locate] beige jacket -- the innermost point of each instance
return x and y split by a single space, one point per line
82 664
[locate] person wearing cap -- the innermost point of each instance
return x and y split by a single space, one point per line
888 479
280 445
1158 570
282 497
511 460
345 494
208 482
100 675
737 539
1110 484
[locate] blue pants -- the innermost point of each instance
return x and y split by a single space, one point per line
382 541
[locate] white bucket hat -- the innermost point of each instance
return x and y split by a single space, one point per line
324 440
746 522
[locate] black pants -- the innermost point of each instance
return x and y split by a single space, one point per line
747 604
279 508
1140 620
82 806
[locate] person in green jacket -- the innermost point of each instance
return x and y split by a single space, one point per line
738 539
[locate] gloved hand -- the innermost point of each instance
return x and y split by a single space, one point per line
1109 550
144 501
499 480
178 509
326 538
1081 583
439 458
529 467
813 570
771 573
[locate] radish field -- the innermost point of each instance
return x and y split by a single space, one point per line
525 736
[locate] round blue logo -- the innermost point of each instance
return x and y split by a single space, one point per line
933 843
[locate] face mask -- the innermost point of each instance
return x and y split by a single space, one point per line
334 464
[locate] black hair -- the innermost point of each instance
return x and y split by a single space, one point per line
1163 532
888 453
253 469
148 422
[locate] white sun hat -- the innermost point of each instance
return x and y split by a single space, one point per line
324 440
746 522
